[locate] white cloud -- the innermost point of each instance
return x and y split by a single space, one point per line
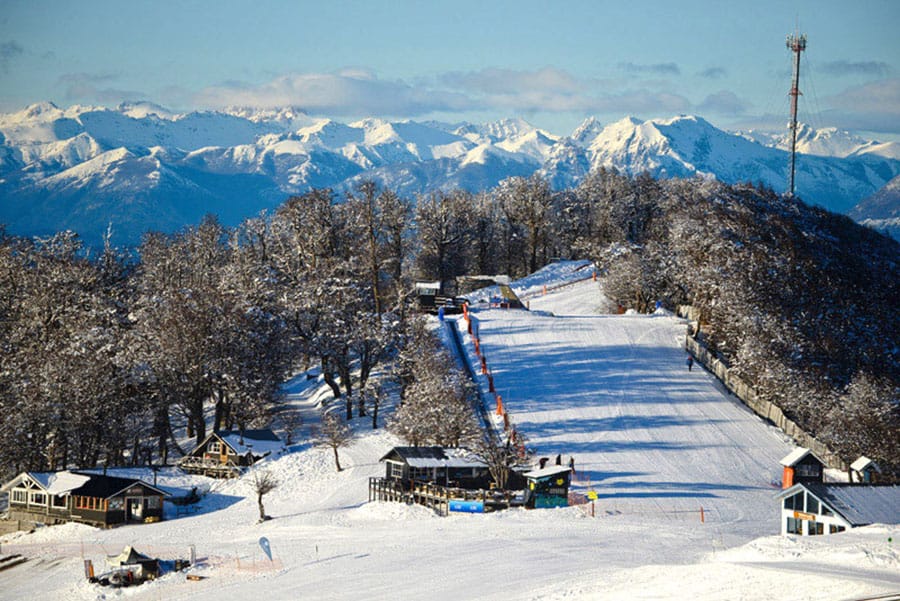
348 93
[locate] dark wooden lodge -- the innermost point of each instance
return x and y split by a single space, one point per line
453 467
222 454
58 497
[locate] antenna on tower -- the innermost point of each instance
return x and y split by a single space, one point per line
796 42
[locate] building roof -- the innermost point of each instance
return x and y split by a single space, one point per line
54 483
422 457
795 456
258 442
547 472
859 504
104 487
863 463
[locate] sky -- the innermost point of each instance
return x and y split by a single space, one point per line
552 64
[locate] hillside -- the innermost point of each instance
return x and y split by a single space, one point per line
140 167
881 211
655 441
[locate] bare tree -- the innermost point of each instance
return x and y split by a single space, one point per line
263 482
335 434
501 458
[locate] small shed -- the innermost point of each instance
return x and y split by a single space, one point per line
143 567
223 453
813 508
865 470
456 467
547 487
800 465
57 497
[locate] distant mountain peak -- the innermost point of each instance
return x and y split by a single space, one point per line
239 161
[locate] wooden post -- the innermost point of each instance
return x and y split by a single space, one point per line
702 518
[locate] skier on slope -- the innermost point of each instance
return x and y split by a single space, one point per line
690 362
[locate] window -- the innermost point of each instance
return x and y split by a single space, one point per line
794 501
794 526
214 447
812 504
816 528
18 496
808 470
396 470
116 504
37 498
826 510
833 529
152 502
58 501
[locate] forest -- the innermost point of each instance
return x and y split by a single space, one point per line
111 356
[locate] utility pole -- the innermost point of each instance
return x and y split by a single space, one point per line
796 43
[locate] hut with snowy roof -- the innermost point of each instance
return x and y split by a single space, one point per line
800 465
865 470
456 467
547 487
813 508
222 454
96 499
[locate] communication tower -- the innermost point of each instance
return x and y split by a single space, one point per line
796 43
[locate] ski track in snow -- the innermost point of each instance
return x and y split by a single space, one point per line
655 441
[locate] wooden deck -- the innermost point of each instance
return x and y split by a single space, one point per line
438 497
209 467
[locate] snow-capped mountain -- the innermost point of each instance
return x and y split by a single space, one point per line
826 141
140 166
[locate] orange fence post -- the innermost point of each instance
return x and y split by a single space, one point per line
702 518
499 405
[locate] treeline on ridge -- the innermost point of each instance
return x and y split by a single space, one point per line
105 355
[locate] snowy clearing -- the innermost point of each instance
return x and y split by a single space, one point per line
655 441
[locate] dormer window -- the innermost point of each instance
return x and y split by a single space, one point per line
808 470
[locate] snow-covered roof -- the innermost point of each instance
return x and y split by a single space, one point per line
550 470
862 463
428 286
53 483
794 457
860 504
258 442
426 457
62 482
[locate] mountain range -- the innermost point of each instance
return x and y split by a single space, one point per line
140 167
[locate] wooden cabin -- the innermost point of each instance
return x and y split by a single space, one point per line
815 508
547 487
58 497
453 467
800 465
222 454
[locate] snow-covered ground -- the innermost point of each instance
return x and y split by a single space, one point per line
655 441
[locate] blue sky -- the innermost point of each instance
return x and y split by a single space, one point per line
551 63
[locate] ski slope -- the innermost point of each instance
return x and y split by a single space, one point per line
647 434
655 441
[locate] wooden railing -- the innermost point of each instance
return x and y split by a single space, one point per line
438 497
209 467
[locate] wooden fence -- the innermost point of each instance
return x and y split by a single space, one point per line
748 395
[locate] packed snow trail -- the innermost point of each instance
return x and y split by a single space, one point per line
614 392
